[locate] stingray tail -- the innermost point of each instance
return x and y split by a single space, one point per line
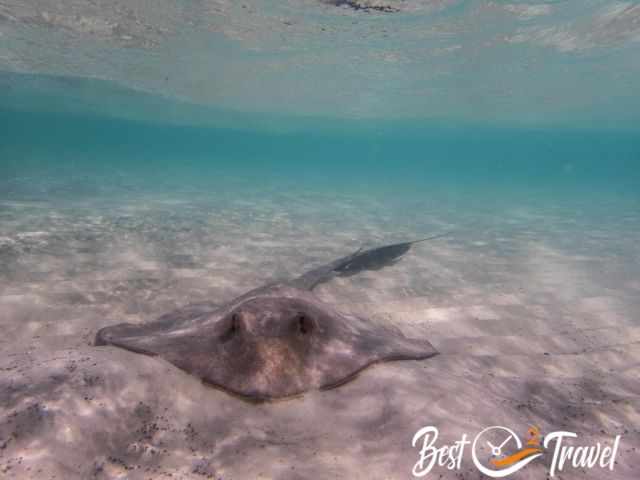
430 238
359 261
377 258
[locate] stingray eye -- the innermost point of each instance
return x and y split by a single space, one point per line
233 329
303 324
235 323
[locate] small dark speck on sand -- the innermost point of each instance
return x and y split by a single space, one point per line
360 5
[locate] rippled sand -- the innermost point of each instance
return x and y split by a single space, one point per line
532 303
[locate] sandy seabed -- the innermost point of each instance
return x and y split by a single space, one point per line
533 304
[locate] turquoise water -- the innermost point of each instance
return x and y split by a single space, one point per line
90 169
47 154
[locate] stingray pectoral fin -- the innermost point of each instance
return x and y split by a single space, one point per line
375 351
124 335
359 261
136 335
105 335
420 350
396 346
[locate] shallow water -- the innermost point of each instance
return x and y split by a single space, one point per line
532 298
146 188
107 197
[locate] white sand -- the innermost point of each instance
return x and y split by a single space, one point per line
535 311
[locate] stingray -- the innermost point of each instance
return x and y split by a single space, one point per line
278 340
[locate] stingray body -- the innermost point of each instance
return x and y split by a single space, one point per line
277 340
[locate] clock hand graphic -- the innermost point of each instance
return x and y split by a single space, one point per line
496 451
